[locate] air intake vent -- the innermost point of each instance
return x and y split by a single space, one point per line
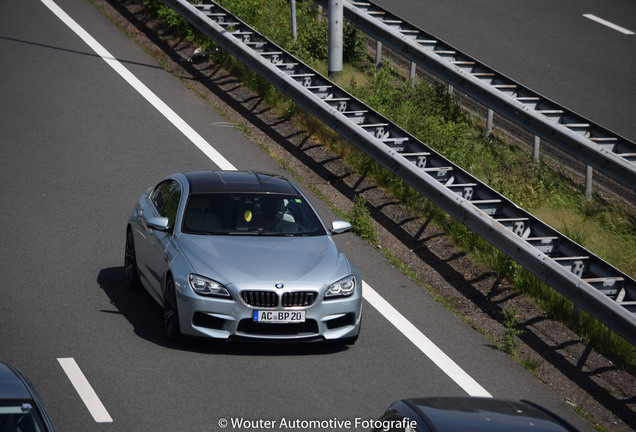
299 298
260 298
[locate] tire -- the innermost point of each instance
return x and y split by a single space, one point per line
131 272
171 313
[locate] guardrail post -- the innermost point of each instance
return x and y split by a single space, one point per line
412 72
335 38
588 183
535 151
489 122
378 53
293 18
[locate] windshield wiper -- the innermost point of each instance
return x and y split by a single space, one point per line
256 232
275 234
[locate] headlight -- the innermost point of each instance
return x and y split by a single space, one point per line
342 288
207 287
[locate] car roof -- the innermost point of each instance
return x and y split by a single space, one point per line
487 414
237 181
12 385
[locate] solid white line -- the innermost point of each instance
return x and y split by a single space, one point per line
446 364
164 109
425 345
608 24
85 391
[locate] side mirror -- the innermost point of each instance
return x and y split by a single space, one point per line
158 223
339 227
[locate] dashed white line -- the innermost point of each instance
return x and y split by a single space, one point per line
608 24
424 344
445 363
84 389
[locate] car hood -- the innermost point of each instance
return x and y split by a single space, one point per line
256 259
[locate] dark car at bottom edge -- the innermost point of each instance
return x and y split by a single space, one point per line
470 414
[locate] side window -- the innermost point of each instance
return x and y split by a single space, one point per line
162 193
166 198
171 206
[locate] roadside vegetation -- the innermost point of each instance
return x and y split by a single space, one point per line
430 113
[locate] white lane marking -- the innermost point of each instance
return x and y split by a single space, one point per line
425 345
445 363
85 391
608 24
164 109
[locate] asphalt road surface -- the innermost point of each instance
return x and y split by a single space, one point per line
81 140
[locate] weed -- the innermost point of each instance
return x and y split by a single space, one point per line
361 220
509 341
530 364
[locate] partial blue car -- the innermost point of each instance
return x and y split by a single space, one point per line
241 256
20 406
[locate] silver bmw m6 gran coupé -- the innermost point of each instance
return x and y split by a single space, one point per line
241 255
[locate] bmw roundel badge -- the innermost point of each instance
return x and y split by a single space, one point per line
279 285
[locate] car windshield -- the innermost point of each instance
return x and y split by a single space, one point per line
19 416
250 214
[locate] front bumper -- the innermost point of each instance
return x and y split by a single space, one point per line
218 318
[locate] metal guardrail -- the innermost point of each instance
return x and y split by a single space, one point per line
589 282
596 146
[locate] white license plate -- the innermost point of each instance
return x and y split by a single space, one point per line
282 317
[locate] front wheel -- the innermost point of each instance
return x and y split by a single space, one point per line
131 272
171 313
